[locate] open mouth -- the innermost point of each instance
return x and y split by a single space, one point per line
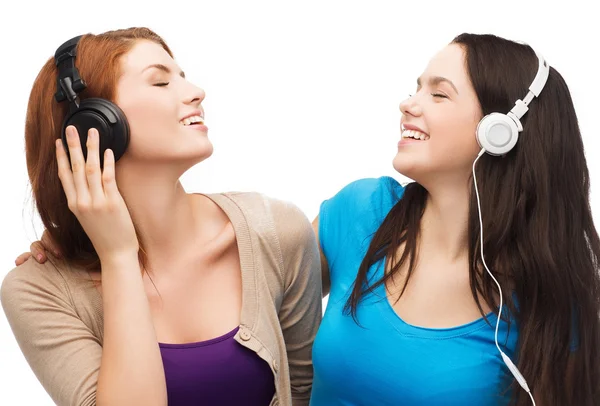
414 134
193 120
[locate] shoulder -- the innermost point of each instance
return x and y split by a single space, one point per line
283 233
364 194
34 287
293 229
62 348
360 204
267 214
354 213
32 278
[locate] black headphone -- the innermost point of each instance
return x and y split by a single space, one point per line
101 114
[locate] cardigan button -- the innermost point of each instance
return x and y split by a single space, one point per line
245 335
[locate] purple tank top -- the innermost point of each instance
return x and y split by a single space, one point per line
219 371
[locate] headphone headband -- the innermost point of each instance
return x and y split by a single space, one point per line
68 82
535 88
541 77
498 133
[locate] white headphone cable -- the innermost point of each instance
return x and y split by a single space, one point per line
511 366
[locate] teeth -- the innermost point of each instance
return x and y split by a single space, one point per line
417 135
192 120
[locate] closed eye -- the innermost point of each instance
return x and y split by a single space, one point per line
161 84
439 95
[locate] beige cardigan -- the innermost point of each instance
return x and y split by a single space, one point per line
55 311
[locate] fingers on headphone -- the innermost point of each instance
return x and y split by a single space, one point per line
64 172
92 164
108 175
78 167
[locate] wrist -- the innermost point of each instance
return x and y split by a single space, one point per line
119 259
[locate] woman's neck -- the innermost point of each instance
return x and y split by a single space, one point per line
170 222
444 225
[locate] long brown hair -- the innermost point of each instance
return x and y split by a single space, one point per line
98 62
540 239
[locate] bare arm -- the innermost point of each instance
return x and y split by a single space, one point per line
325 281
131 370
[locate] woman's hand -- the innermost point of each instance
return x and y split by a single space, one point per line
94 198
38 250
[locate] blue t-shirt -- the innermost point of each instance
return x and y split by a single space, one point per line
386 361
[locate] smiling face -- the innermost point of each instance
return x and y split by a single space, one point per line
163 109
439 121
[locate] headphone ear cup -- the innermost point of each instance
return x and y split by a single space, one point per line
497 133
107 118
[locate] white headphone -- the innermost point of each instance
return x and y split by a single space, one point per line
498 133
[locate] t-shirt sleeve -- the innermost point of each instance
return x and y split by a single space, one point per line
61 350
353 214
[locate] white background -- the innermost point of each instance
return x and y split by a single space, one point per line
302 97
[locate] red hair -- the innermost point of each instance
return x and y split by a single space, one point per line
98 62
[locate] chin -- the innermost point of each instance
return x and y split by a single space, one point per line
413 169
197 146
182 155
197 153
404 165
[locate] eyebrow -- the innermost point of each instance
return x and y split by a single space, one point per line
163 68
436 80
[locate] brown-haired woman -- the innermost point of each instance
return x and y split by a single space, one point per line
412 312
